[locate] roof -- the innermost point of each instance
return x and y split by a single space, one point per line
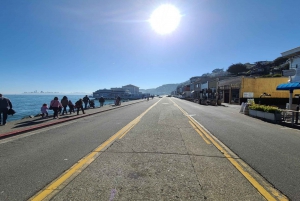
288 86
291 53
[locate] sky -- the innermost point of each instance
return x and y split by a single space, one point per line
71 46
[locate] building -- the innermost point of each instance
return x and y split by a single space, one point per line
125 92
106 93
131 88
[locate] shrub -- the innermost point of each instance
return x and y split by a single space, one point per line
264 108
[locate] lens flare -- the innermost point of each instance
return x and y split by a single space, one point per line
165 19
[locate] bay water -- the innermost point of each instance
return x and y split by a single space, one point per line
26 105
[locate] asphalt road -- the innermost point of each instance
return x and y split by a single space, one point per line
272 150
28 162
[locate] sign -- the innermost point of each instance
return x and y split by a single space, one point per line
290 72
248 95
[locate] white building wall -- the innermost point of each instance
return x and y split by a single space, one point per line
132 89
295 64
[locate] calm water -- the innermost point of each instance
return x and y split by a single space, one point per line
26 105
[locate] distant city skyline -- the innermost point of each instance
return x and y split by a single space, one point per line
71 45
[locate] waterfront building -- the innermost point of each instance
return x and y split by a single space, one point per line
131 88
125 92
106 93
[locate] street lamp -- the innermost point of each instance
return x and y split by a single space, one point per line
263 95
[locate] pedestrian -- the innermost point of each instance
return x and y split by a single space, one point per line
44 111
79 105
4 105
86 101
92 103
118 101
71 107
64 103
55 105
101 101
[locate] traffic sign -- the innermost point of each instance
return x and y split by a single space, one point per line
290 72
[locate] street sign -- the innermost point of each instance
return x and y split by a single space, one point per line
248 95
290 72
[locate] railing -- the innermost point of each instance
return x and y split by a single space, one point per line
290 115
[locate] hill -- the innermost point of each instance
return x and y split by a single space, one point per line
162 90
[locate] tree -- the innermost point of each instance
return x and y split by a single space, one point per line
237 68
279 60
205 75
218 70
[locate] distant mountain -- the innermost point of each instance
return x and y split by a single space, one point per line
162 90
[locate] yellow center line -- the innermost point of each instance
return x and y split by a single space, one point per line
276 195
84 162
199 132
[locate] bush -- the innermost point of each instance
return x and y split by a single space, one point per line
264 108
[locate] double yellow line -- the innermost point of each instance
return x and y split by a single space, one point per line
271 194
56 185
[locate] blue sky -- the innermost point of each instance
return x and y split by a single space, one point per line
82 46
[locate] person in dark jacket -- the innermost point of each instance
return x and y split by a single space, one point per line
86 101
101 101
118 101
4 105
64 101
79 105
71 106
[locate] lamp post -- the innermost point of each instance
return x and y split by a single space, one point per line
263 95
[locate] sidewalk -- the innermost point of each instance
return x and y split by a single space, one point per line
162 157
30 124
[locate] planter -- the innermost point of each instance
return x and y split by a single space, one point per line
260 114
273 116
265 115
252 113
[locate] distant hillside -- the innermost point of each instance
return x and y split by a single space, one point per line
162 90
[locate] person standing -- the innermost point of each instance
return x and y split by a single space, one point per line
118 101
101 101
86 101
79 105
64 101
55 104
4 105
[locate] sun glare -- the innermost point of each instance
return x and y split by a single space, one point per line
165 19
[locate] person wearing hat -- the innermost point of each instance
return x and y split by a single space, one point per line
4 105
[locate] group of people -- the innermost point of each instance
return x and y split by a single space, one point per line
60 107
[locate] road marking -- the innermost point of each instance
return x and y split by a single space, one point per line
199 132
56 185
271 194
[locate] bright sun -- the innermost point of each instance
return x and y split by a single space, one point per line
165 19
